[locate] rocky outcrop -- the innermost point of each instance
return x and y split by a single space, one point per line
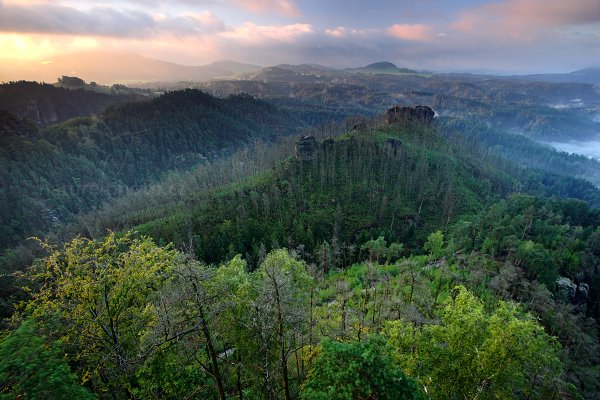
566 288
50 215
581 298
575 293
400 114
42 112
306 148
359 126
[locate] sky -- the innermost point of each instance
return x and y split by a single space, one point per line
507 36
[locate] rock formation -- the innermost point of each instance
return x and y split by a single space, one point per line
418 113
306 148
575 293
566 288
581 297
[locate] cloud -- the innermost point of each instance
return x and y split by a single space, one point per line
338 32
284 7
102 21
47 18
342 32
526 19
415 32
508 35
262 34
550 12
194 24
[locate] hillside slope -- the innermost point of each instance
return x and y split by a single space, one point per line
401 181
47 104
393 233
74 166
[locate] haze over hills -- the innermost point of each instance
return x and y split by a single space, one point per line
110 67
106 67
545 111
588 75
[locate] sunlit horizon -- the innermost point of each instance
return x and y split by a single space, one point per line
504 36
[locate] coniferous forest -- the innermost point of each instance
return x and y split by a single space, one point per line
180 245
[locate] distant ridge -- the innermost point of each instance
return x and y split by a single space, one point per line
108 68
306 73
587 75
383 67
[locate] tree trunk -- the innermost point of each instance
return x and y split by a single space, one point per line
210 346
239 377
283 358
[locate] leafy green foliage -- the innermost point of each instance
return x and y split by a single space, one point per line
95 295
34 369
503 354
351 371
171 375
185 328
537 261
434 244
544 237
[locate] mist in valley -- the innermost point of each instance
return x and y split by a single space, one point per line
589 148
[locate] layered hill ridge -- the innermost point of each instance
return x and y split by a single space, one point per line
588 75
108 67
46 104
542 111
76 165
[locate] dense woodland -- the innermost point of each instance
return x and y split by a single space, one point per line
187 250
74 166
46 104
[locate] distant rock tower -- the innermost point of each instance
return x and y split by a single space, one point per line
306 148
418 113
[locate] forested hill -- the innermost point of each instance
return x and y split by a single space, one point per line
401 181
76 165
46 104
388 260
